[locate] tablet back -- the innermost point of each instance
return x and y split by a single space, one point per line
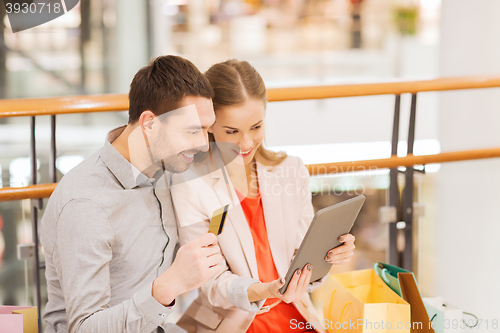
323 233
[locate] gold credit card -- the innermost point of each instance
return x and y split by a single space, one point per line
218 219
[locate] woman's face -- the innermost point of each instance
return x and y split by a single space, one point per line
242 125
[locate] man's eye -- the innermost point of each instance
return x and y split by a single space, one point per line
231 132
257 127
194 132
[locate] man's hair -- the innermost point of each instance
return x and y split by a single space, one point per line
161 86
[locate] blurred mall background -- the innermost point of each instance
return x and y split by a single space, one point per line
98 46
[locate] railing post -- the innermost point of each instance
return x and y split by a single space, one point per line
3 56
394 200
408 192
53 150
35 205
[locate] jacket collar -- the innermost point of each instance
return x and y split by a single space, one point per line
272 191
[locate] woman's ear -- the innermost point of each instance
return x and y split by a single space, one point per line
210 130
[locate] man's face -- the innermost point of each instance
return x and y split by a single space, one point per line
178 135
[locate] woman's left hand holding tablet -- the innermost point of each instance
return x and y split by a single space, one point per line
342 255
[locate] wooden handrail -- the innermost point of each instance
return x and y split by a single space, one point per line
28 192
45 190
407 161
119 102
386 88
63 105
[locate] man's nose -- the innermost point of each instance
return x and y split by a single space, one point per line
204 143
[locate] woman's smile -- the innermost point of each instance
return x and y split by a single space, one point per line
244 153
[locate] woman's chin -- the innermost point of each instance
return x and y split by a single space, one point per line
239 160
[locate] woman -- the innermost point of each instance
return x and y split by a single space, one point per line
263 229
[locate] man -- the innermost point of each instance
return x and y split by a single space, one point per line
109 230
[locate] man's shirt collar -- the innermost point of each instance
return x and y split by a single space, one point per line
126 173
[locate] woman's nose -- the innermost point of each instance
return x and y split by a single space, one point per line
246 142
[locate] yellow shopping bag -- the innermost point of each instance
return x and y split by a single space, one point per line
361 302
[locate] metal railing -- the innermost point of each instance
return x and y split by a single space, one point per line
403 205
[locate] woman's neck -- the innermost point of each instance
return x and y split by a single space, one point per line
252 179
250 168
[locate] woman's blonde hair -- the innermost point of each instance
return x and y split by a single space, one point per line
234 82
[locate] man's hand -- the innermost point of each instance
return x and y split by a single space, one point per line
342 255
195 264
297 286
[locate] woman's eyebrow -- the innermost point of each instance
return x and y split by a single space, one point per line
233 128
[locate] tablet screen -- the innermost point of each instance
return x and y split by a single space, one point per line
327 226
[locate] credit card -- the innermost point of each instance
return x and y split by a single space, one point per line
218 219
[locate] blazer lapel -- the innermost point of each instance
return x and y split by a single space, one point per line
275 225
226 194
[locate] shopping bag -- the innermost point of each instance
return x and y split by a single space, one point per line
446 317
18 319
405 285
389 273
361 302
411 294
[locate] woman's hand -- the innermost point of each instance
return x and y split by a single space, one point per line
342 255
296 287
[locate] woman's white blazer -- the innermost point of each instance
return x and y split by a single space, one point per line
222 305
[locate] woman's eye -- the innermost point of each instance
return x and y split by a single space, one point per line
194 132
257 127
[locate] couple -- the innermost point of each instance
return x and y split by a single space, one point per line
110 231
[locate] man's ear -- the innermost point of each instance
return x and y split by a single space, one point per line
146 121
209 130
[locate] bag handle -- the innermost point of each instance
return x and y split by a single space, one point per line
342 313
329 314
470 314
465 313
383 272
384 276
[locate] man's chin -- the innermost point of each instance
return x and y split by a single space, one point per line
177 167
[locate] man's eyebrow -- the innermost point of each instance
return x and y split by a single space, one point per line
194 127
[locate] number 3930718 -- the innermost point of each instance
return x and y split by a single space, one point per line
480 323
40 7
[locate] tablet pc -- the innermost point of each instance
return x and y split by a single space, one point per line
326 227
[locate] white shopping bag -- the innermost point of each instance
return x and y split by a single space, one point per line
445 317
